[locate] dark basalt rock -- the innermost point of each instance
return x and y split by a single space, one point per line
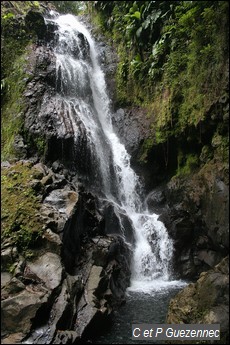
204 302
106 281
132 127
35 23
156 200
77 276
20 147
196 216
84 222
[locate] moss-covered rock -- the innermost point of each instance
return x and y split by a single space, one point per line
179 73
21 223
22 25
204 302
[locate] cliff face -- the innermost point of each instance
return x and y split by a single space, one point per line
62 275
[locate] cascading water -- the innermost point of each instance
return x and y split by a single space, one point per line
82 96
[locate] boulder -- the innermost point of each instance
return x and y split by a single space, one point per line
14 338
93 283
106 276
52 241
8 256
117 222
62 200
84 223
19 310
57 210
48 268
205 301
12 287
89 312
39 171
5 278
52 324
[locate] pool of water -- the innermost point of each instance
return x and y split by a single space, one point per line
139 308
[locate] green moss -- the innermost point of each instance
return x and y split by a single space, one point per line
36 143
13 106
178 74
206 154
186 163
8 16
19 7
14 64
40 145
146 146
20 206
16 43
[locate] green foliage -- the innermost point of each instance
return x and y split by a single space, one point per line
173 60
18 7
35 142
74 7
15 49
8 16
194 68
146 146
20 206
13 106
186 163
172 57
40 145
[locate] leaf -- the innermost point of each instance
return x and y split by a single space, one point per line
137 15
138 58
154 49
139 31
146 23
155 15
134 8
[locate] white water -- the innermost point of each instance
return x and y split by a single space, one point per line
82 94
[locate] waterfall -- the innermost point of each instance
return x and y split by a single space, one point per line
82 98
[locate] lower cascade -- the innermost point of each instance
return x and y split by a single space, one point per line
85 111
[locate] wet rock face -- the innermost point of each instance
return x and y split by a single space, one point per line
41 116
17 311
80 302
216 207
47 114
205 301
48 300
35 23
132 127
69 283
195 211
106 275
76 275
